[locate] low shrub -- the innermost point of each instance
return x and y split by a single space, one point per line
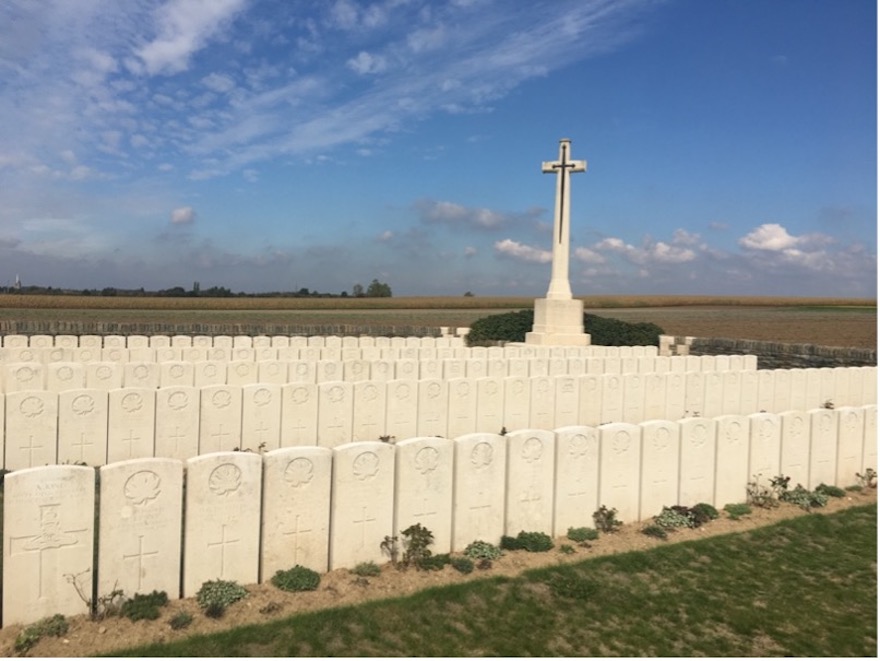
462 564
737 510
831 491
566 549
180 620
369 568
56 625
480 550
534 542
416 540
703 513
581 535
673 517
434 562
804 498
606 519
655 530
215 596
144 606
296 579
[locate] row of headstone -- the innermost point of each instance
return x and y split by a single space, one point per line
311 354
59 376
98 426
245 516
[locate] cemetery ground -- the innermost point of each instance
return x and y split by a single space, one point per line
822 321
776 582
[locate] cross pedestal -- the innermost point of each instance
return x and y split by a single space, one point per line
559 319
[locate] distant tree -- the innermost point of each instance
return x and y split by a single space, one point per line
107 291
358 291
344 294
469 294
303 292
378 290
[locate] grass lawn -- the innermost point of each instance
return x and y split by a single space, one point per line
803 587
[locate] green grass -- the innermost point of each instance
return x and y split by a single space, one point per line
803 587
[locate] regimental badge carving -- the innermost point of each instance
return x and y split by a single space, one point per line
426 460
492 388
176 371
371 392
544 386
225 479
132 402
661 438
336 394
142 488
178 400
519 387
592 384
365 466
578 445
463 388
302 369
25 374
797 427
699 435
481 455
242 370
210 371
262 397
31 407
401 391
766 430
65 373
82 404
568 386
103 372
141 371
434 390
532 449
221 399
851 421
299 472
621 442
300 395
734 432
614 383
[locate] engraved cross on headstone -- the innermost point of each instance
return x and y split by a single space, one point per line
563 168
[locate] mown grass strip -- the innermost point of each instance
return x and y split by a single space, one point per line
803 587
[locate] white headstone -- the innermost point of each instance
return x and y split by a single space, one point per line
619 462
241 373
823 447
732 459
479 497
48 532
131 428
850 435
335 413
65 376
694 393
140 527
220 419
104 375
82 427
633 398
765 444
299 414
517 398
795 446
176 373
577 478
222 534
329 370
612 398
869 447
697 475
423 488
114 355
433 409
543 404
798 385
23 376
713 394
462 407
261 416
140 375
381 370
177 422
296 509
362 505
530 472
490 404
209 373
590 399
401 410
272 371
31 429
660 461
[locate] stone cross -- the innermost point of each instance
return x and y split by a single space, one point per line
559 285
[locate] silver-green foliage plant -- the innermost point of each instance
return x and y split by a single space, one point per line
804 498
215 596
296 579
672 517
56 625
480 550
581 535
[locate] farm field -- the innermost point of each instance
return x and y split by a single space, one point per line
830 322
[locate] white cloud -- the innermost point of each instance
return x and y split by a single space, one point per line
450 213
364 63
218 82
470 251
588 256
520 251
770 236
185 27
183 216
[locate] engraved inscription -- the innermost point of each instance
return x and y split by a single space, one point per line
578 445
661 438
699 434
262 396
300 395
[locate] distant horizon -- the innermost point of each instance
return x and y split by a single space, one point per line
262 145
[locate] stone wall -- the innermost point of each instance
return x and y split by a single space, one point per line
771 355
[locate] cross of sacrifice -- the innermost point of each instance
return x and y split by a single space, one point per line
563 168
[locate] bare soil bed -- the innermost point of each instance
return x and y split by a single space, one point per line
341 587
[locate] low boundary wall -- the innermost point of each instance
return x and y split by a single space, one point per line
244 515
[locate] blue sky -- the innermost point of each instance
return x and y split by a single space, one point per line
264 145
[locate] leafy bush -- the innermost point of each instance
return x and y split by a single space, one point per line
215 596
296 579
416 540
480 550
761 495
804 498
581 535
737 510
144 606
533 542
513 326
462 564
606 519
180 620
566 549
674 517
703 513
434 562
831 491
367 569
655 530
56 625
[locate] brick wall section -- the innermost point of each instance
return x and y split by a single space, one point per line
771 355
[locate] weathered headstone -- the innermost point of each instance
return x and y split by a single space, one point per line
31 429
220 419
131 429
697 462
261 416
577 478
82 427
529 488
731 459
660 461
479 496
177 422
423 488
619 462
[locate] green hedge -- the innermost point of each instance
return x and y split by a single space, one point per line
513 326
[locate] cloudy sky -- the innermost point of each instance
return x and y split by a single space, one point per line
268 145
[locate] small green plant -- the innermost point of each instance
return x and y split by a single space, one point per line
703 513
462 564
416 540
581 535
390 547
606 519
534 542
180 620
673 517
868 479
144 606
566 549
736 511
365 569
762 495
271 607
804 498
56 625
215 596
655 530
296 579
435 562
830 490
480 550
